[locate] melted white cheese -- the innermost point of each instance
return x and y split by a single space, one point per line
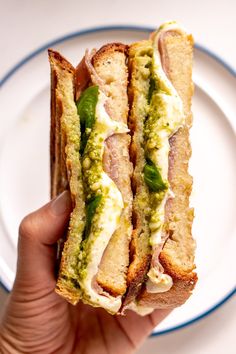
158 282
108 218
172 112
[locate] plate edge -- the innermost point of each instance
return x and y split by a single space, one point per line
89 30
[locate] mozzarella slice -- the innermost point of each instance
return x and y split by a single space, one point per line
106 219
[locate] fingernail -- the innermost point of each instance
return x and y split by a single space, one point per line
61 204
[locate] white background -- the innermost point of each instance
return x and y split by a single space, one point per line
27 24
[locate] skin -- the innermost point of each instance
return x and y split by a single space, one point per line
37 320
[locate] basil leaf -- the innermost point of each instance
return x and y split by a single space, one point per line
86 107
90 211
152 177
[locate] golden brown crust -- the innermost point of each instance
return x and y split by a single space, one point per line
140 251
108 49
64 289
183 285
58 171
176 296
137 272
66 169
59 181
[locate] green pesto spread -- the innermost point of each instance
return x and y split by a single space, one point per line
101 193
163 119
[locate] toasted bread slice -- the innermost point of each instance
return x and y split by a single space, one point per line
65 145
177 256
140 250
110 64
59 180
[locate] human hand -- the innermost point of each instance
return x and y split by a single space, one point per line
37 320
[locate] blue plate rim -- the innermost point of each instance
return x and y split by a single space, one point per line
135 28
95 29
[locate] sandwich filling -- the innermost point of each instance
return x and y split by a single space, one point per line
165 117
157 114
104 202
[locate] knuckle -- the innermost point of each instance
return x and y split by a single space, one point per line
27 227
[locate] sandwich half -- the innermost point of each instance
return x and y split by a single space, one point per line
90 150
120 143
161 272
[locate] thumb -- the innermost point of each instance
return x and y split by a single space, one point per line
38 234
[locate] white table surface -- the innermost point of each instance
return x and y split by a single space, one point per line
27 24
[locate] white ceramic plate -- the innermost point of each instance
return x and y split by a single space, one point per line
24 162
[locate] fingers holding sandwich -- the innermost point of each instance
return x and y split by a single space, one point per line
38 234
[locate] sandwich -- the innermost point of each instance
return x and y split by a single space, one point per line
120 144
